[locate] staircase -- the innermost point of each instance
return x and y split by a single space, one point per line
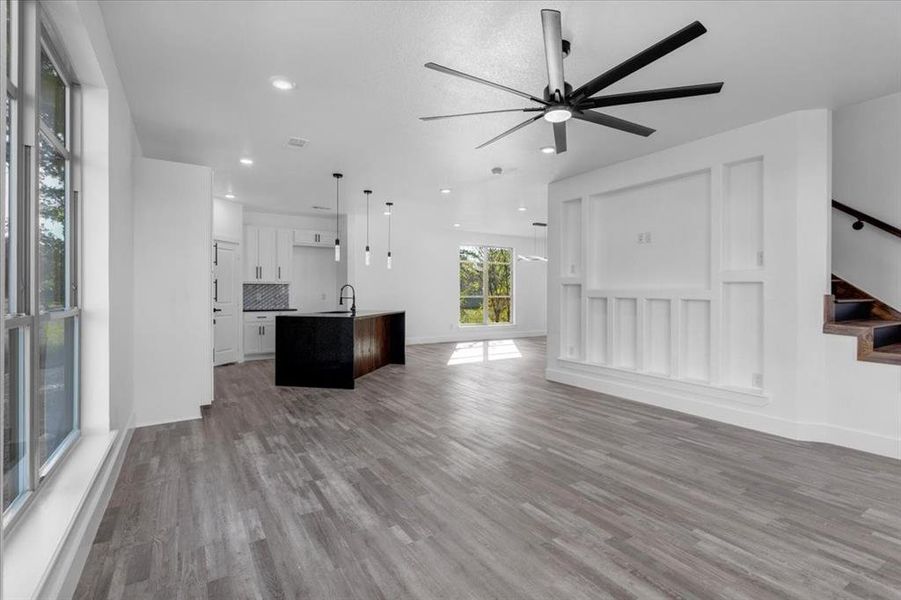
876 325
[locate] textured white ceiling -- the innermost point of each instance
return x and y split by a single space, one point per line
197 78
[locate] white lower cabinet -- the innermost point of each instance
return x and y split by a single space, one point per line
252 338
259 333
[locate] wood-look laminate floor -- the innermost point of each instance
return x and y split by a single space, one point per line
481 480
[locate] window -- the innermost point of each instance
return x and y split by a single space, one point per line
40 297
486 285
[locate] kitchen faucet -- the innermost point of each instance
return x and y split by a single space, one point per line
352 297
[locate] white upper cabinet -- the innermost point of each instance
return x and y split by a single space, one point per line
313 237
252 254
284 254
268 250
268 254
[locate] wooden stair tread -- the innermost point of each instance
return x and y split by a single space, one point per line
889 355
849 300
865 323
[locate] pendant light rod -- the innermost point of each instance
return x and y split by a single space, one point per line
337 177
366 253
389 205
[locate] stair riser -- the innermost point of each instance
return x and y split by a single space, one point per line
884 336
849 311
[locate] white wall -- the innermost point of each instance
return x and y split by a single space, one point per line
866 175
424 279
746 348
173 325
228 221
316 278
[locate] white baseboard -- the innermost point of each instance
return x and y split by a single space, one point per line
63 576
474 335
734 414
168 421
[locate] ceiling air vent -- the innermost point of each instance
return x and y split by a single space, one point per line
297 142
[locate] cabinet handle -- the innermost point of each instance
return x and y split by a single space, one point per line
279 272
216 254
264 330
215 290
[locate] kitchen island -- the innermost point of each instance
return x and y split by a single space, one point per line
332 349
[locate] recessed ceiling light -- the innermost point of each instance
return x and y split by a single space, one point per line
456 224
282 83
230 196
548 150
247 161
445 190
521 209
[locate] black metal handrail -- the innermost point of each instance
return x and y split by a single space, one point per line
863 217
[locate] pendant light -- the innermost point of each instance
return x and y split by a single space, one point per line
388 212
534 257
337 177
367 254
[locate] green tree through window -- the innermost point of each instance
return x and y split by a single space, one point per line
486 285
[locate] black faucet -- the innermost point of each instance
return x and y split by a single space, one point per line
353 297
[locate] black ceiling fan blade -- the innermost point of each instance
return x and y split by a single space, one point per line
684 91
642 59
560 137
509 131
497 86
613 122
484 112
553 51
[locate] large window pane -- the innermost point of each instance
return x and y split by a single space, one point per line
503 255
11 39
53 98
15 430
53 209
499 310
471 311
57 384
471 277
498 279
10 210
471 254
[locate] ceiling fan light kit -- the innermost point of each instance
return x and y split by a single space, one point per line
560 102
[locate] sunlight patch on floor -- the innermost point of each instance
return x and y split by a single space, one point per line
476 352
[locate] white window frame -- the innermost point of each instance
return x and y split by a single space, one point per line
485 296
34 37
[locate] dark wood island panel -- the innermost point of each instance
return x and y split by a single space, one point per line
331 350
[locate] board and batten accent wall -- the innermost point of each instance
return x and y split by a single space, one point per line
693 278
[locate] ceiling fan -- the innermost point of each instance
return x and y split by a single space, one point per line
560 101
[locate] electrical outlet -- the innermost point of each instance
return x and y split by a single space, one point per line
760 258
647 237
641 238
323 296
572 269
757 380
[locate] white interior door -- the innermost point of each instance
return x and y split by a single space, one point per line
225 304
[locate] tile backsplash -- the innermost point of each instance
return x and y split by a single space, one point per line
265 296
